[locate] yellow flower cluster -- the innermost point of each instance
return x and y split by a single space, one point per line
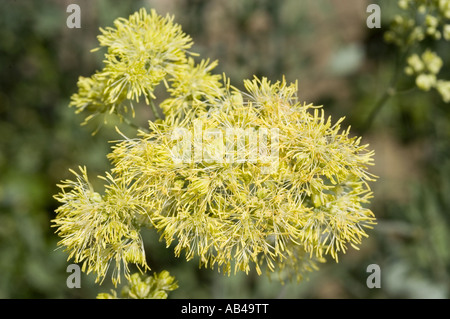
142 52
100 229
238 179
192 90
238 212
432 20
145 287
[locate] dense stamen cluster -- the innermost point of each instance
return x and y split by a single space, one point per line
287 189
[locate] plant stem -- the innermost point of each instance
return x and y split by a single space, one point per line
155 111
133 125
387 94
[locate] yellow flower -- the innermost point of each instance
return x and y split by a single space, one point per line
237 215
240 179
416 63
432 61
443 88
145 287
192 89
96 229
425 81
446 31
142 50
444 7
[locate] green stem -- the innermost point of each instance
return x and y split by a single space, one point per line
387 94
155 111
405 91
133 125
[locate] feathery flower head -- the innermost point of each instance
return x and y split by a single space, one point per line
231 194
192 89
98 229
142 52
238 179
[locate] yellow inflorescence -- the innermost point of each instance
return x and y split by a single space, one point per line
430 21
238 179
144 287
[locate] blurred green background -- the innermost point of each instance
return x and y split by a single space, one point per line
339 63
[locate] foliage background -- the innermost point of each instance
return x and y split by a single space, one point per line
339 63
